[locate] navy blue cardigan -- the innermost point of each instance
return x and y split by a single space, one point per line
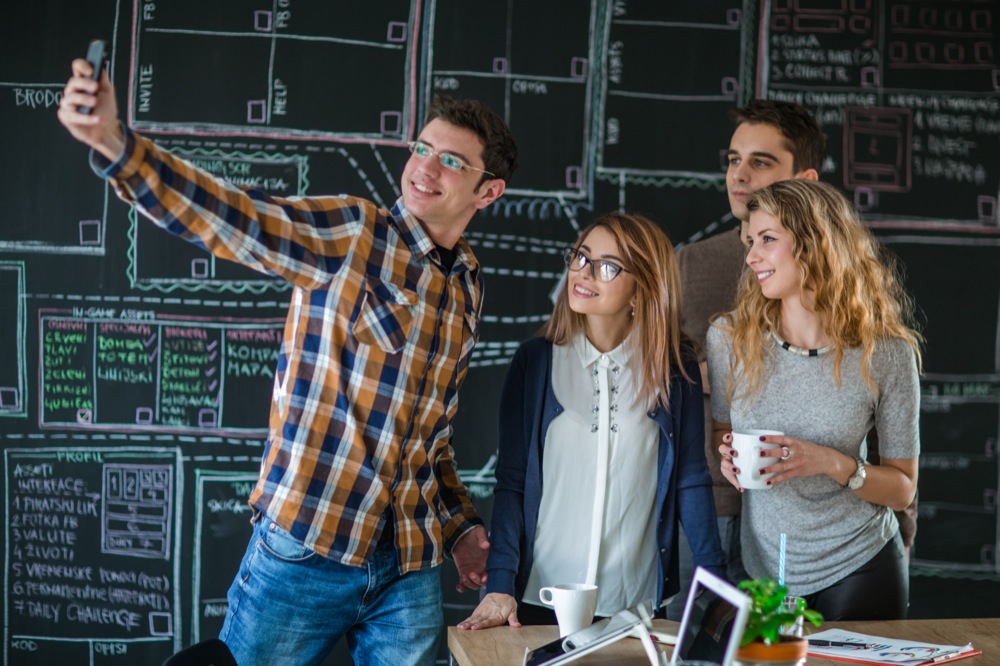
683 487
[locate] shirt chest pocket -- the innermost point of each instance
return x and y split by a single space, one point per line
386 316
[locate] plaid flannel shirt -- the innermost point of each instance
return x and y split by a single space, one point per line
376 344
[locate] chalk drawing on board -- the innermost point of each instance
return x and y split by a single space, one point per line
539 208
39 217
82 217
649 88
221 531
13 373
524 265
500 353
878 149
524 75
480 482
910 94
136 510
61 586
637 192
162 375
727 221
941 41
243 73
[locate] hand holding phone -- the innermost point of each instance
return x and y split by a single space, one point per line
96 54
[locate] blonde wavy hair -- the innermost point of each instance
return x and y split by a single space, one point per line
856 286
654 335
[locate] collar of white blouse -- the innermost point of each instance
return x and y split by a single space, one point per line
589 354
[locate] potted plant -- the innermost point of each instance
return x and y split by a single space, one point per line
763 642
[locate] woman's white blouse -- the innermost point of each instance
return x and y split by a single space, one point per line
596 522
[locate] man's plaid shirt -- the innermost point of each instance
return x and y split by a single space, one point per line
376 344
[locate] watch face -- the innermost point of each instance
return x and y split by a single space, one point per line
857 480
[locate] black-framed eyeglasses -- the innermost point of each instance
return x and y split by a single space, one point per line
447 160
601 270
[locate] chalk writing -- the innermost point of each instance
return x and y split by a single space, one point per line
70 570
899 133
157 375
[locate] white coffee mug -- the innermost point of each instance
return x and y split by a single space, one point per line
748 447
574 605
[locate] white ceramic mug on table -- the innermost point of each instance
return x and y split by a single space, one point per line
574 604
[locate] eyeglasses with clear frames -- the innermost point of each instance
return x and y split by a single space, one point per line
447 160
602 271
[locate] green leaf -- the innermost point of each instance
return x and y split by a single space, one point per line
750 635
813 616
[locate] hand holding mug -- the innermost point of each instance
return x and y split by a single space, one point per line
744 459
798 457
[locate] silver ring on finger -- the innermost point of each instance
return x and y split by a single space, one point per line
787 453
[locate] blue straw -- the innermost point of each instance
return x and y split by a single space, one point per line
781 561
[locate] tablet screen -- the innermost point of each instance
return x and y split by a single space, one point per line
709 628
597 635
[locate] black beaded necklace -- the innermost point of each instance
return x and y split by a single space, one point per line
801 351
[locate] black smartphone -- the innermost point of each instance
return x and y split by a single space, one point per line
97 53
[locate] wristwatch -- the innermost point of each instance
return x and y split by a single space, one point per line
857 480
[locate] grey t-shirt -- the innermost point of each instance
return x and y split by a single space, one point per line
830 531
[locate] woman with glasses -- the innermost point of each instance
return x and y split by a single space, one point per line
819 348
601 438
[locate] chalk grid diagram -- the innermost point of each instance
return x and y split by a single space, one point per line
163 375
222 528
37 217
646 98
671 69
136 510
524 75
885 63
90 546
14 373
258 49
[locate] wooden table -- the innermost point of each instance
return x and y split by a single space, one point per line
504 646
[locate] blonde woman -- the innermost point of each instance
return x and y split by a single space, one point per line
601 438
820 348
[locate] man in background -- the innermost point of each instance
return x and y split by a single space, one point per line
358 498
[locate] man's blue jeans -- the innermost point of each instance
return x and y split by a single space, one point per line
289 605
